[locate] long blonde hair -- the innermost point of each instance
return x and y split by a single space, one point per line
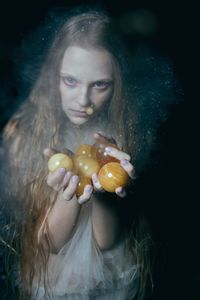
35 126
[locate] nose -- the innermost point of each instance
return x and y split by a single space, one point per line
84 97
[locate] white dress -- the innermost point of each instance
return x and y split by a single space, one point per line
80 271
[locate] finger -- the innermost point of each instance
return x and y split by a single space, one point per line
63 183
128 167
71 188
100 137
66 180
86 194
97 185
120 192
117 153
48 152
55 178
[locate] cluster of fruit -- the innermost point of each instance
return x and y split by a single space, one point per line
90 159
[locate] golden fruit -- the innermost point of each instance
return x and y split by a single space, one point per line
60 160
81 185
86 166
101 155
112 175
84 149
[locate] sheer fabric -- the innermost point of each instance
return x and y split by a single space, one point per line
80 271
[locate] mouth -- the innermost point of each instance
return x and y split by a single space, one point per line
79 113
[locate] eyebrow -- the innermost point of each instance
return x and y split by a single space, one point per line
63 74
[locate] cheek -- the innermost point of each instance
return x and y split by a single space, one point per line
66 96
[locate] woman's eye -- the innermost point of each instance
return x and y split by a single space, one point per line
69 81
101 85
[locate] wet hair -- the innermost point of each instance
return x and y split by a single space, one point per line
36 125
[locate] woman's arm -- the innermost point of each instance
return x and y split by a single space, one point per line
105 220
62 220
64 214
105 207
107 226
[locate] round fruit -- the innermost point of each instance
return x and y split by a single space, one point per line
60 160
84 149
86 166
112 175
101 155
81 185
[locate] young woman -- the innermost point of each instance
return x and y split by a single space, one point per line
93 246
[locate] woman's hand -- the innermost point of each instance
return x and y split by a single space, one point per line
123 157
65 182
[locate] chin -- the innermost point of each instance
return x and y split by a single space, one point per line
78 121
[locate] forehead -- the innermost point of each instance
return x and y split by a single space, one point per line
86 63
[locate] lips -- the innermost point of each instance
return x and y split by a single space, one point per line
78 113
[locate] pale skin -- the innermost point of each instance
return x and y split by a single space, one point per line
86 78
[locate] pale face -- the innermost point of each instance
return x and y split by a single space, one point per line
86 79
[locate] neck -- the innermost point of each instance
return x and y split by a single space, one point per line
83 134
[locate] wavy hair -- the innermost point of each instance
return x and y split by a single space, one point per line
36 125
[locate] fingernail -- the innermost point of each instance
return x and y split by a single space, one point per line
88 188
124 162
67 175
119 189
46 151
61 171
94 177
108 149
74 178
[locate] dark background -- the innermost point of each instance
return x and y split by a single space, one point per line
169 192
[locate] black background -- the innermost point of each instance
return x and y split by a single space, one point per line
169 193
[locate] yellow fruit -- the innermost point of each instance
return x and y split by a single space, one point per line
101 155
81 185
84 149
60 160
111 176
86 166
